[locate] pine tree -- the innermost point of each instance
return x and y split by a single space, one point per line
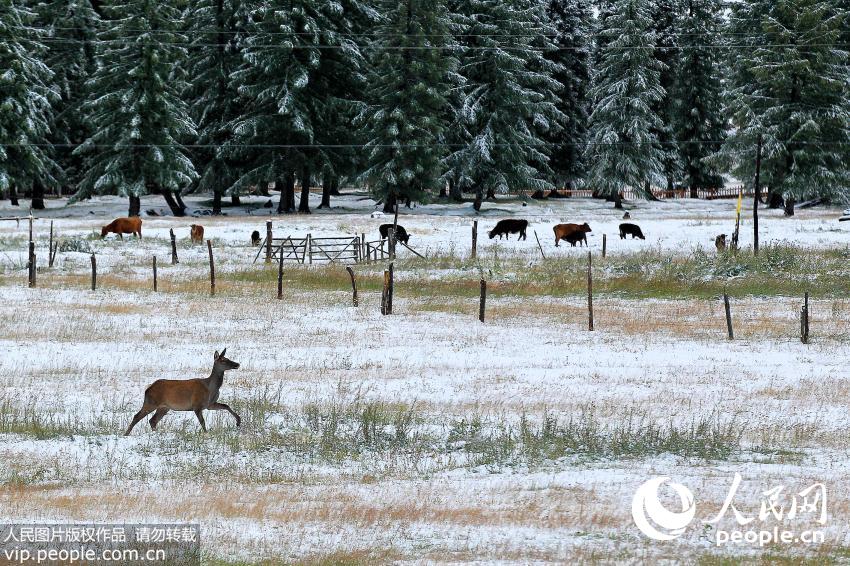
26 94
71 26
573 22
413 63
139 120
699 124
285 56
624 150
214 97
792 90
510 101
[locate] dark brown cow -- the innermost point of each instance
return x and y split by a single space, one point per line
572 233
121 226
197 234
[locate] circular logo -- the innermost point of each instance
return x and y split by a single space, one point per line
667 525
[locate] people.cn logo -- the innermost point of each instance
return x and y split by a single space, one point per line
653 519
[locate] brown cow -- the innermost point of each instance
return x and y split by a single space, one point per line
121 226
197 234
573 233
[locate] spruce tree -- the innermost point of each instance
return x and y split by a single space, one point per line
71 27
699 123
573 23
26 93
792 91
286 98
412 62
216 29
623 151
666 17
139 120
510 100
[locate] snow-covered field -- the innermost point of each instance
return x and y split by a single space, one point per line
407 438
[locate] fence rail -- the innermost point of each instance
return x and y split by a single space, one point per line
661 194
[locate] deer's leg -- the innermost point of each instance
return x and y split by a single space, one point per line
145 411
200 414
223 407
157 416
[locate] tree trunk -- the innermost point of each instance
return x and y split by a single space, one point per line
789 206
135 206
443 193
454 191
235 201
389 203
304 202
180 202
618 200
287 194
216 203
172 203
477 203
774 200
694 191
37 196
13 195
264 190
335 186
491 194
327 185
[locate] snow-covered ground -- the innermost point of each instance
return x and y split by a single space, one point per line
75 363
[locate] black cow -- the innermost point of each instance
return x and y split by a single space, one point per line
255 238
401 234
507 227
630 229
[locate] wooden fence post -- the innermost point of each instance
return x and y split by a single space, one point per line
391 287
154 274
385 292
604 244
482 303
804 320
474 239
31 264
728 317
309 244
50 254
590 291
269 241
30 219
280 274
538 245
353 286
174 260
93 273
364 252
212 269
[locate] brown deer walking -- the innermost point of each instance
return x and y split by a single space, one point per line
187 395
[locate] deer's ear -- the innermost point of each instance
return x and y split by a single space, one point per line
217 355
222 352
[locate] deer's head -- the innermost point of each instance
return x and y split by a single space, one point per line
223 364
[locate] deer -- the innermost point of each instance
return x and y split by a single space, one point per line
196 395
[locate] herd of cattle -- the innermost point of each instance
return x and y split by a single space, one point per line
572 233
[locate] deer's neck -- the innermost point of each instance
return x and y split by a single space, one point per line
215 379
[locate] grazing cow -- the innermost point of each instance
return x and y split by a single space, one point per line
572 233
197 233
255 238
121 226
632 230
401 234
720 243
507 227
